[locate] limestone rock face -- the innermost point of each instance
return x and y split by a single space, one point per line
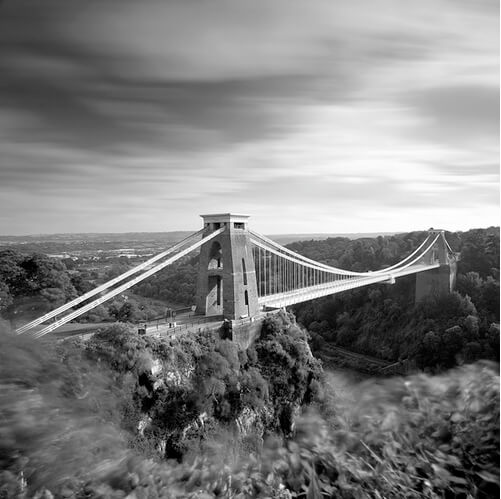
252 421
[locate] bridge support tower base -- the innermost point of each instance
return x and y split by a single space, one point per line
243 333
442 279
439 281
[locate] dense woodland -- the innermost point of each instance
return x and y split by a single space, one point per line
384 322
33 284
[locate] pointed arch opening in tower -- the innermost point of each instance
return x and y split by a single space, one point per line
215 256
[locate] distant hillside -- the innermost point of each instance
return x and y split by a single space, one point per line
91 236
90 243
53 243
290 238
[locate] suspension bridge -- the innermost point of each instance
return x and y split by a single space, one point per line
242 274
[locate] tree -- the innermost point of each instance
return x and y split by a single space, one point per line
493 339
128 312
452 344
471 326
489 299
429 351
42 272
54 296
469 284
6 298
81 284
11 273
116 270
472 351
286 363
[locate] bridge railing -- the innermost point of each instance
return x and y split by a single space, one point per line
178 313
249 320
192 324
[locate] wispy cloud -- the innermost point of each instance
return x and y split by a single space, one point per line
345 116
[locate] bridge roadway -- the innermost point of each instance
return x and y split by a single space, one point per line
74 330
299 295
183 323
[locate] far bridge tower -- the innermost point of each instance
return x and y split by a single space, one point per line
442 279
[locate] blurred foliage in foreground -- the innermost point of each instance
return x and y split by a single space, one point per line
66 424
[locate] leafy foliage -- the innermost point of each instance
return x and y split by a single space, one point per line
415 437
180 379
294 376
31 285
384 322
33 275
174 284
412 437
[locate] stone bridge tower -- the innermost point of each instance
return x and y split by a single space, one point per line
441 280
227 277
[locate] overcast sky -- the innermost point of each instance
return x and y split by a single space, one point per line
311 116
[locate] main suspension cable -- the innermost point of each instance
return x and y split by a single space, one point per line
328 267
125 286
107 284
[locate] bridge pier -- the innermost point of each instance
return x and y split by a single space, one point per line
442 279
438 281
227 277
243 332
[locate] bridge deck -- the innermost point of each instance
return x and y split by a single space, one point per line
305 294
